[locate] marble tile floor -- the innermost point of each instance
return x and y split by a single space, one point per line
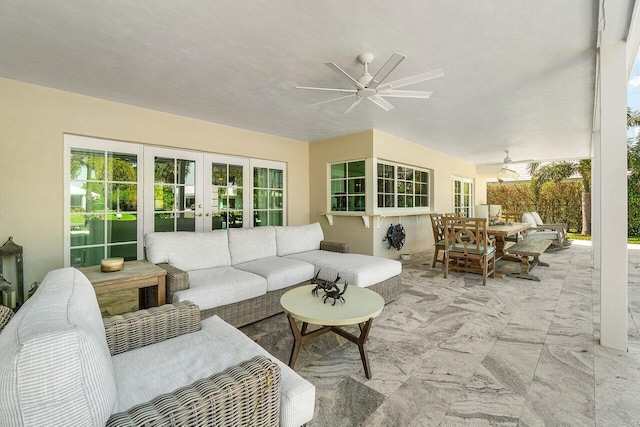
451 352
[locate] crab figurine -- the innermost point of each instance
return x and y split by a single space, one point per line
324 285
335 294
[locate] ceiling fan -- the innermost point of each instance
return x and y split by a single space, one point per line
510 173
372 87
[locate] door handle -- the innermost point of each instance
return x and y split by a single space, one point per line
200 214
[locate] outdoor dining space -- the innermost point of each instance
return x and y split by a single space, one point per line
493 246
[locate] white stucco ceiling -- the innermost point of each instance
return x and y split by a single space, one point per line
519 74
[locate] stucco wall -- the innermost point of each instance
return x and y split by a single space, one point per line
33 120
374 143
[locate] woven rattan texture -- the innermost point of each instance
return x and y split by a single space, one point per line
144 327
334 247
5 315
176 280
251 310
247 394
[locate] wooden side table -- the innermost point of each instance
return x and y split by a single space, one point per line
135 275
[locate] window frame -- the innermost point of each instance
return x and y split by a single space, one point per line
73 142
402 210
469 210
346 178
268 164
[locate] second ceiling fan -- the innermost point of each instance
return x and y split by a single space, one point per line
372 87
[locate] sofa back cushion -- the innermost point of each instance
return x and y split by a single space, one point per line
188 250
298 238
55 365
250 244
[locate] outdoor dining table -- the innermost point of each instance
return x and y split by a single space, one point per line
502 231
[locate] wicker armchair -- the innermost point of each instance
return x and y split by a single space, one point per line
246 394
5 315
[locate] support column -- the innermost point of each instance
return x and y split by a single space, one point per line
613 195
596 204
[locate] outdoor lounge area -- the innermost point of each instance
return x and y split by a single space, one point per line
298 213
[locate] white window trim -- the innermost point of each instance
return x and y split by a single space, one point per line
71 141
97 144
367 178
402 211
472 197
271 164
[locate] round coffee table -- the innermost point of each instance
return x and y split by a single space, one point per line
361 306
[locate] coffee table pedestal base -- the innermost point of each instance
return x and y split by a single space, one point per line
302 336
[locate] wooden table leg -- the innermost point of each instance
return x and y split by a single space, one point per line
162 290
360 341
297 340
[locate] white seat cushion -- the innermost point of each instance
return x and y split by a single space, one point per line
354 269
551 235
279 272
187 250
214 287
147 372
250 244
300 238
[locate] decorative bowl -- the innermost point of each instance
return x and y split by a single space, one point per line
112 264
405 257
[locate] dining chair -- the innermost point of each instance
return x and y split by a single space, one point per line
437 224
468 248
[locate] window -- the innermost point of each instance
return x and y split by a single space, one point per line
402 186
268 193
463 196
226 196
102 192
348 186
117 191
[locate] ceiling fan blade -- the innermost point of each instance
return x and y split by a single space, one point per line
331 100
352 106
405 93
381 103
413 80
341 72
327 89
386 69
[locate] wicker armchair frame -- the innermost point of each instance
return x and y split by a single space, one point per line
5 315
145 327
254 309
247 394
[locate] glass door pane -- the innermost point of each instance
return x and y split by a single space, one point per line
173 199
226 189
103 205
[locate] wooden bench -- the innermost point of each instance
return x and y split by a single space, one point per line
529 248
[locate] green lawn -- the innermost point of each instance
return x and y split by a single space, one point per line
574 236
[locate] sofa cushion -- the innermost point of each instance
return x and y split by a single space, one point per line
213 287
55 366
214 348
250 244
188 250
354 269
299 238
279 272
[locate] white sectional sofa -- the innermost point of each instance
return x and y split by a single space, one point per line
61 365
240 274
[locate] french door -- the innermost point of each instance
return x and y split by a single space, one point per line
194 191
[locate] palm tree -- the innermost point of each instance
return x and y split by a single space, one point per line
633 118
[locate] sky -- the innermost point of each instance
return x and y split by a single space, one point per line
633 91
